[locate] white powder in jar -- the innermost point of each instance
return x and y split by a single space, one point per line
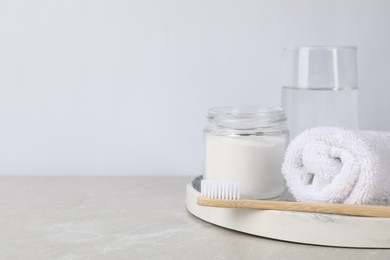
254 161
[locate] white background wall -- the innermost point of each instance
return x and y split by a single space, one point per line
123 86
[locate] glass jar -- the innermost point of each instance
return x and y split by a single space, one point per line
247 144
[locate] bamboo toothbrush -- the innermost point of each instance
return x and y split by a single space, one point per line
226 194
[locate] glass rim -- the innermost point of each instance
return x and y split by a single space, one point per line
247 117
321 47
245 111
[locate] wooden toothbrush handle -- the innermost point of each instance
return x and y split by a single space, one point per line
339 209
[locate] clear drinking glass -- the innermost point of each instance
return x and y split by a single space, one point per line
320 87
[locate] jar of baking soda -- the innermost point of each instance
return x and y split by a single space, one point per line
247 144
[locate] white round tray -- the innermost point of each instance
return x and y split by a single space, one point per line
307 228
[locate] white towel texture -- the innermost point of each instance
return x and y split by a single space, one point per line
336 165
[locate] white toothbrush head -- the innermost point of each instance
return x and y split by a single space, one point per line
214 189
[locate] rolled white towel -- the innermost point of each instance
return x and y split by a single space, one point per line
336 165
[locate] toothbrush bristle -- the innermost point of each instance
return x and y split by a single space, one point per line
213 189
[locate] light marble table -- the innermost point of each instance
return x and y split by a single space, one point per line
128 218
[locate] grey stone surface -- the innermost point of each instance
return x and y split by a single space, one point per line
128 218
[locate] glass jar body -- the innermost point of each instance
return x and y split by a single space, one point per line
251 155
